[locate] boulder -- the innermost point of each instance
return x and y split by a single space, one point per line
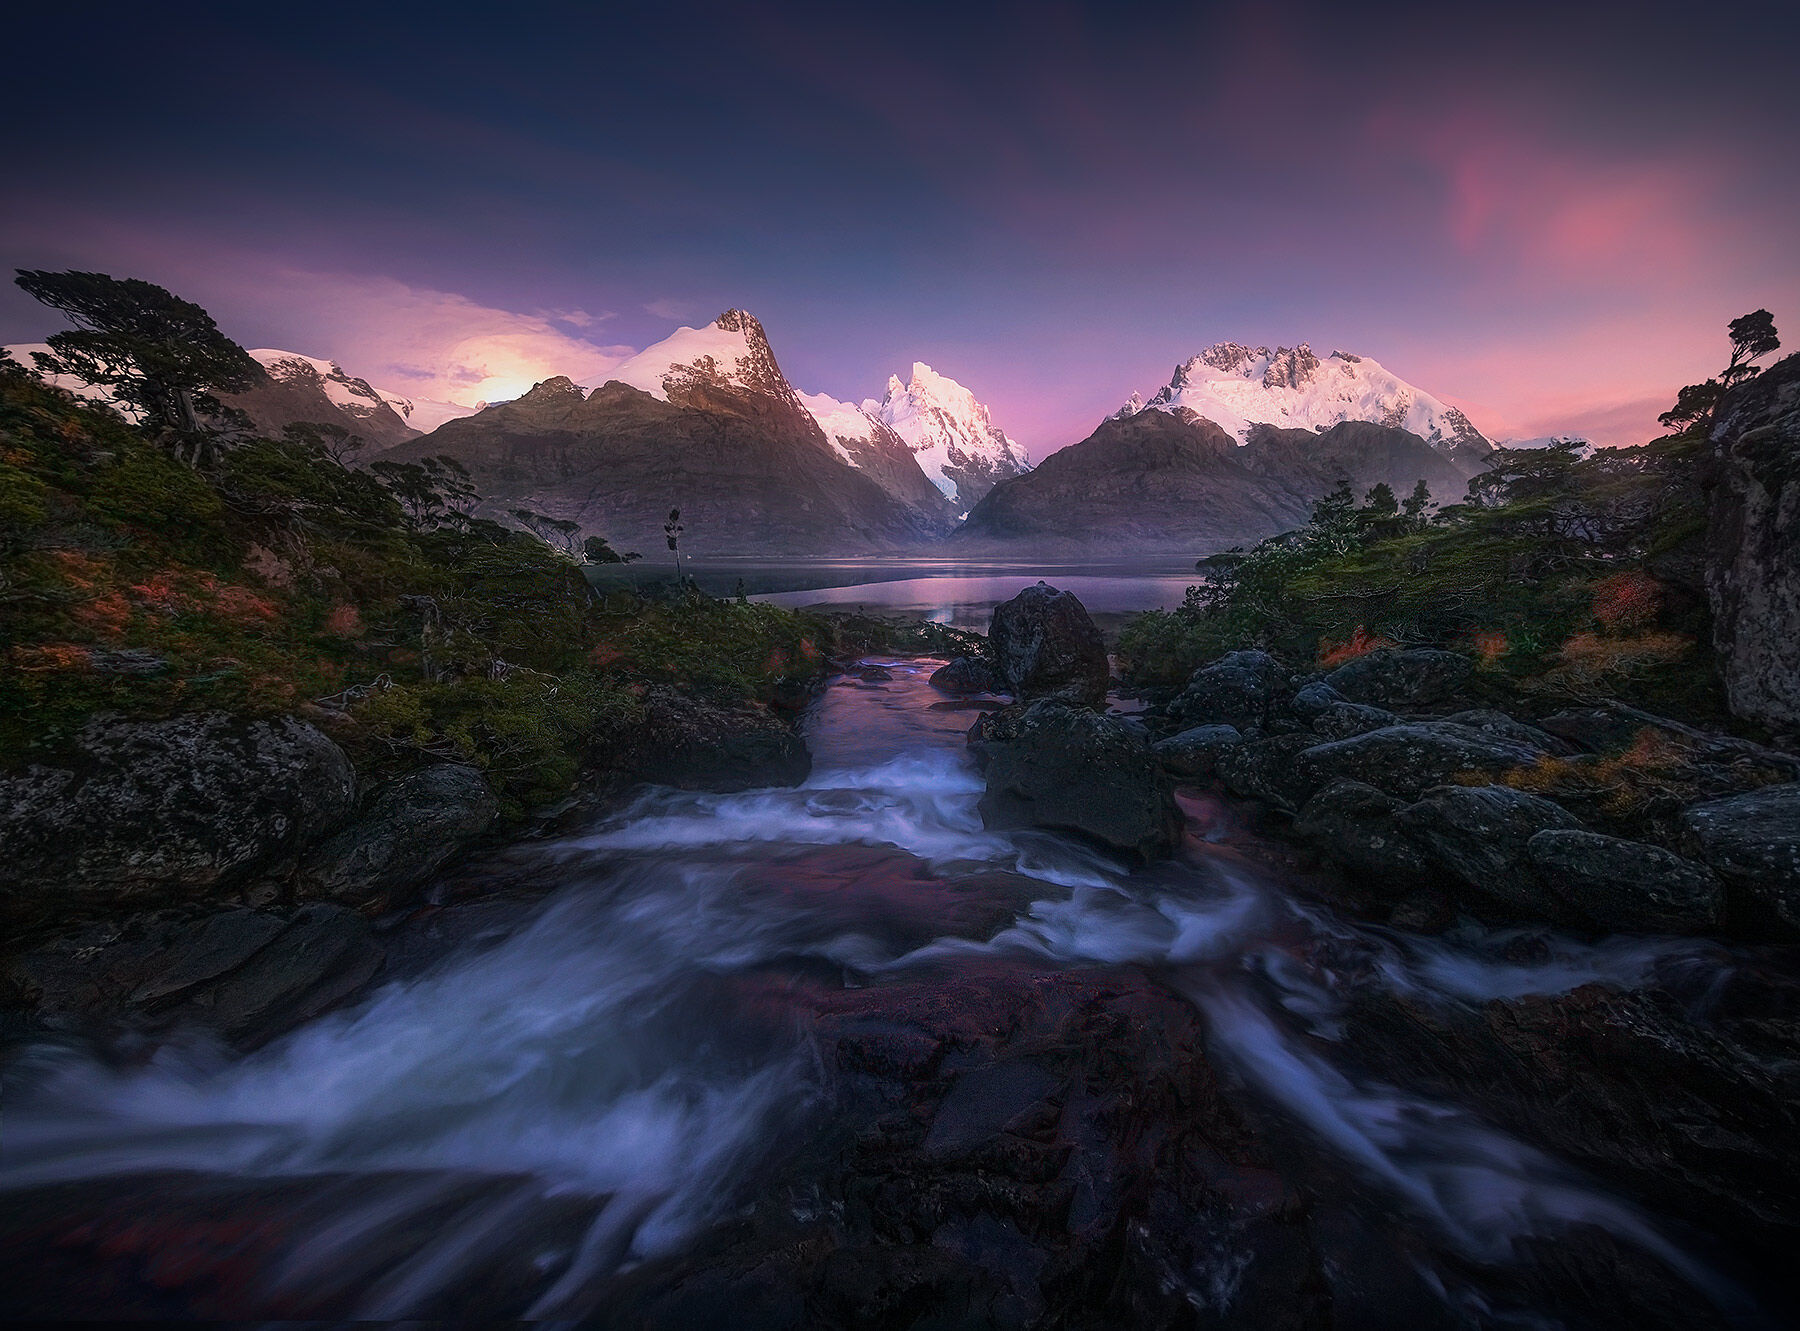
1592 729
1753 546
1753 842
1341 720
248 974
1314 699
1265 769
694 744
1045 645
1056 765
193 807
1410 759
1480 833
1620 884
1498 725
967 674
412 828
1416 677
1193 753
1355 826
1241 689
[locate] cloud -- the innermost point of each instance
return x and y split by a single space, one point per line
668 309
430 343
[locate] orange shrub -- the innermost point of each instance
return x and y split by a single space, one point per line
344 621
1360 643
1627 600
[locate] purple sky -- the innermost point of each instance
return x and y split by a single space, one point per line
1546 215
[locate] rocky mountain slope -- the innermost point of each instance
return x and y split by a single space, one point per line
1170 482
954 438
1240 387
704 421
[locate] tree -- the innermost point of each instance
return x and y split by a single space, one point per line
159 356
432 491
672 529
1752 337
327 440
596 550
1416 503
1381 502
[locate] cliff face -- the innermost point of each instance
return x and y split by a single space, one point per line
1753 546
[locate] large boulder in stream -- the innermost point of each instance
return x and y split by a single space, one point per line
411 829
1357 827
1055 765
967 674
1194 753
1410 759
195 807
699 745
1045 645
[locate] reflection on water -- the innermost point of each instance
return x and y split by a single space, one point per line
945 591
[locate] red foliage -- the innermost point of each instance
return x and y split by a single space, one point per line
344 621
1360 643
1627 600
1490 645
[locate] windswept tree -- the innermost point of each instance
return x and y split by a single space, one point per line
433 491
326 440
1752 337
557 533
160 357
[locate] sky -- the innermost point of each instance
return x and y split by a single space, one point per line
1545 214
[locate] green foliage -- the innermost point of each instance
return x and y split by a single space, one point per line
1547 573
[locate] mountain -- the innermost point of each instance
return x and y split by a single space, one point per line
1239 388
868 444
306 388
1172 482
704 421
955 440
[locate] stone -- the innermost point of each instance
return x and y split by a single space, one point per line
1314 699
1416 677
1057 765
413 827
1341 720
1753 546
1410 759
326 953
1620 884
695 744
967 674
1498 725
1753 842
1241 689
1354 826
1192 753
149 811
1045 645
1480 833
1266 769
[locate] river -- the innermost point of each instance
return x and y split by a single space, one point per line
629 1063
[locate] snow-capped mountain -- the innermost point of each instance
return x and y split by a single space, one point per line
354 396
731 352
867 443
1239 388
955 440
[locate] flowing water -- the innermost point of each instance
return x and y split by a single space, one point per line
597 1084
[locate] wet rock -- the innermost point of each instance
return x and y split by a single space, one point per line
1341 720
1192 754
1056 765
246 973
414 826
146 811
1416 677
1268 770
1753 842
1620 884
967 674
1356 826
1752 556
324 955
1045 645
1241 689
1410 759
1479 834
874 674
694 744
